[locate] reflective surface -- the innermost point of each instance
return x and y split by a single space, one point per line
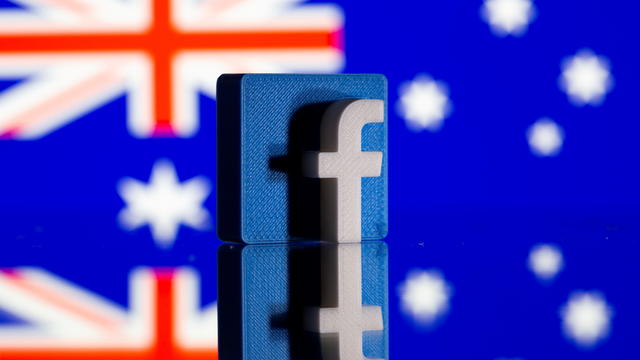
303 301
96 293
464 288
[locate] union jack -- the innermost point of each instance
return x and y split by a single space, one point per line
164 319
77 54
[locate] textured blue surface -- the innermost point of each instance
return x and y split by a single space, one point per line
267 108
276 282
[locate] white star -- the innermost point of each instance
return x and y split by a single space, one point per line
545 137
508 17
424 103
425 296
545 261
164 203
586 78
586 318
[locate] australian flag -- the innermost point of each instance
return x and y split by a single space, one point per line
513 199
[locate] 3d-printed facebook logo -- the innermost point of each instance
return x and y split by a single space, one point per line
301 157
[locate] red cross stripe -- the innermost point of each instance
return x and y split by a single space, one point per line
115 337
161 42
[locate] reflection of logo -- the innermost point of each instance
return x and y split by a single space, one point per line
74 55
349 319
63 320
310 301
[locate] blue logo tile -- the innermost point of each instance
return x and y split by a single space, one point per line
266 122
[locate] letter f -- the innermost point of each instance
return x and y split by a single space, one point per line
341 164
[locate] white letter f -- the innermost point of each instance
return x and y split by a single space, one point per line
342 163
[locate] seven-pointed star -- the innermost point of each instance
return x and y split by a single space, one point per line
586 318
545 137
425 296
508 17
586 78
424 103
545 261
164 203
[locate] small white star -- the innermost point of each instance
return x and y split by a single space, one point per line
586 318
508 17
586 78
545 137
424 103
164 203
425 296
545 261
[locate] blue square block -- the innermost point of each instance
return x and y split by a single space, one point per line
264 291
264 124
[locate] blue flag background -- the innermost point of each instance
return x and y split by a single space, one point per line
470 197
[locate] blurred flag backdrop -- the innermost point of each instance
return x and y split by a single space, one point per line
513 195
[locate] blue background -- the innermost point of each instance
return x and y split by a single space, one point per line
470 200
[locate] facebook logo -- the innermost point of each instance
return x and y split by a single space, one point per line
301 157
